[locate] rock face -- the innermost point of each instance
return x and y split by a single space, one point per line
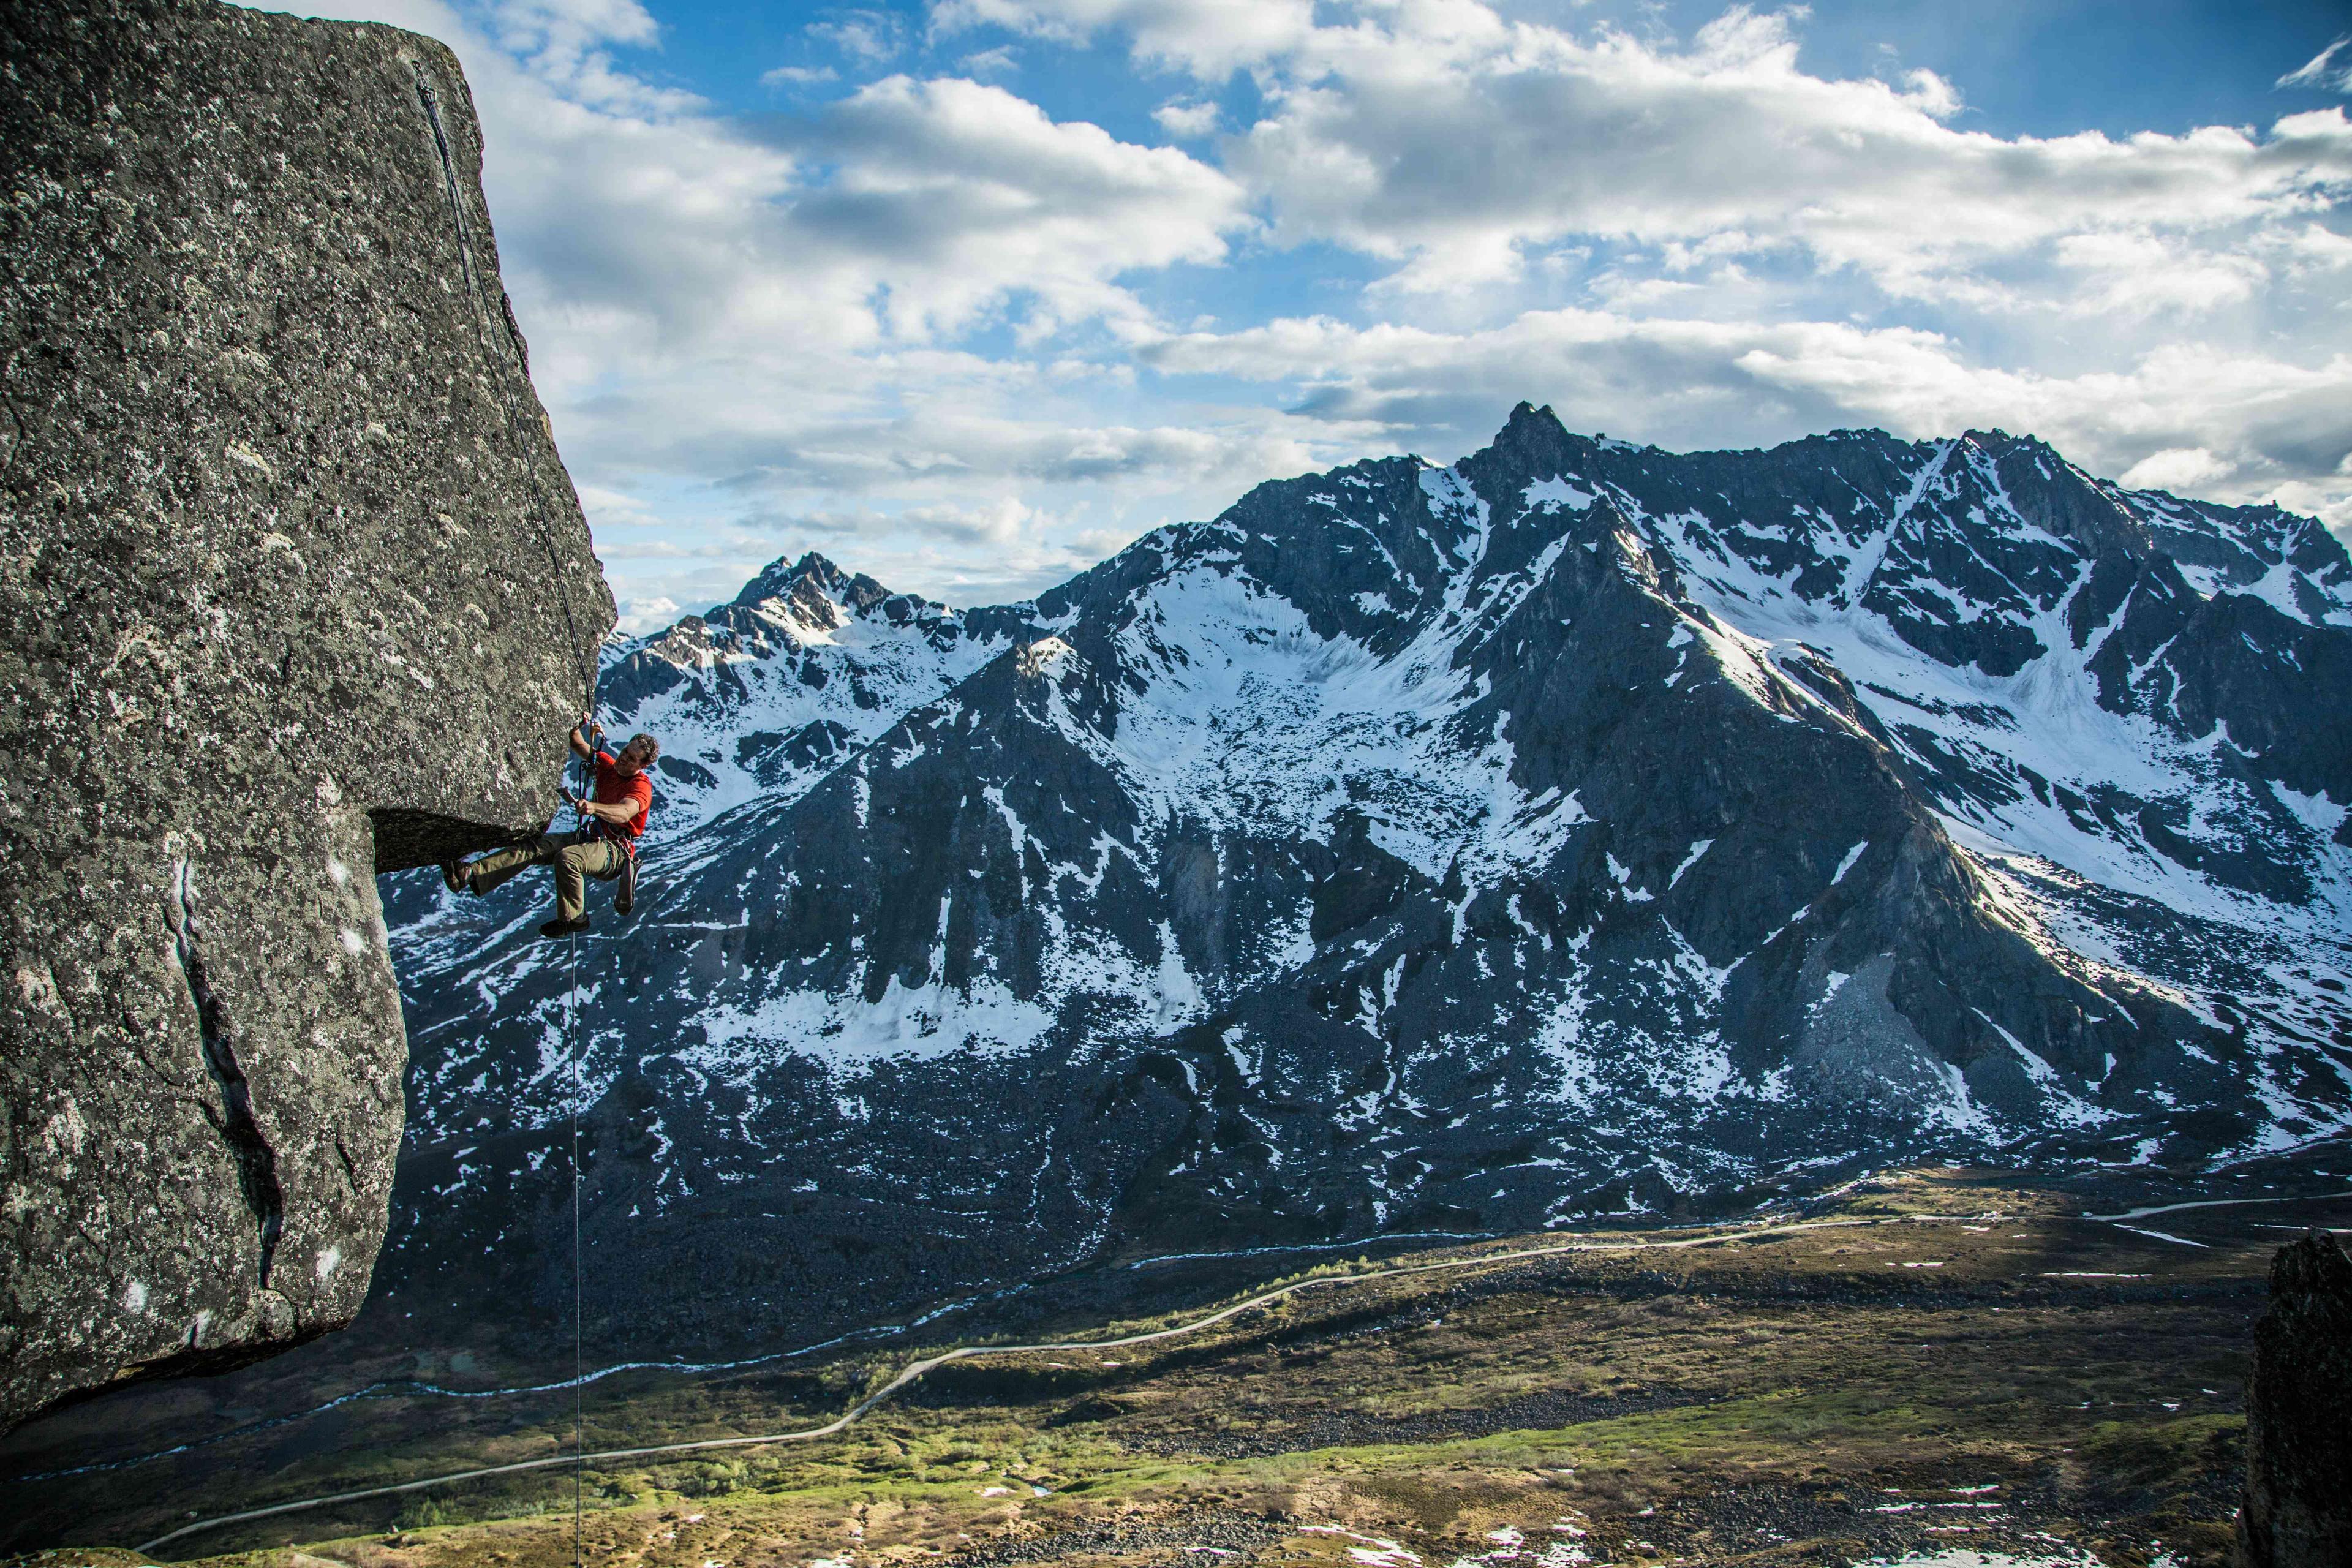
2298 1510
293 589
1579 828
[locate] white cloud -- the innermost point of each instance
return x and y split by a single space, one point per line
798 75
963 446
2142 274
1212 38
922 323
723 321
639 616
611 508
1452 142
991 62
2320 71
870 36
566 46
2235 425
954 195
1187 121
989 552
2175 469
1933 97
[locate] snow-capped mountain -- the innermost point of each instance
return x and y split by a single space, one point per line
762 696
1581 828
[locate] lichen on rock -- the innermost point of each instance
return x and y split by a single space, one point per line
293 589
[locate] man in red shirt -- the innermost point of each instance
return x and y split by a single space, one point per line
601 848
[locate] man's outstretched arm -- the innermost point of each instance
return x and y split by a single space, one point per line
587 727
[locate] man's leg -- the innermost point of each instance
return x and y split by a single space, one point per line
500 864
574 862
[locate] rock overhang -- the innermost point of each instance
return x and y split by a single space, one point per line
296 590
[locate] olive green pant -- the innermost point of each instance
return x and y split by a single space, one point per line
573 857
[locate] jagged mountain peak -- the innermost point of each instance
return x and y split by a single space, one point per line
2002 476
812 584
764 694
782 576
1574 826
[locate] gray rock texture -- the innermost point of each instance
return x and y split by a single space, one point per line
2297 1509
293 589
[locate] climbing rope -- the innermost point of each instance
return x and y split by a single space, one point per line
579 1087
474 287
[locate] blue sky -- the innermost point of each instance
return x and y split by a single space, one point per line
969 293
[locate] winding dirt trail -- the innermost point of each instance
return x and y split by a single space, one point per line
2155 1209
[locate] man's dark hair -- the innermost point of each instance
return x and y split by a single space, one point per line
652 747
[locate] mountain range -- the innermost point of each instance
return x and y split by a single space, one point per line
1578 829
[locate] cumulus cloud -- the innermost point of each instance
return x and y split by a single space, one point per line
965 446
609 510
710 299
1184 120
1458 144
2235 426
641 225
1210 37
990 551
1455 144
641 615
2175 469
1761 249
971 344
953 194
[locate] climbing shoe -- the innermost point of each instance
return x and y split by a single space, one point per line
458 876
564 928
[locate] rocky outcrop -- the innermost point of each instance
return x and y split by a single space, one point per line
293 589
2297 1509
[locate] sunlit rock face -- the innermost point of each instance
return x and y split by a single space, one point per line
1582 828
293 588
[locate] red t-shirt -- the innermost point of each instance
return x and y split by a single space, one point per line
612 789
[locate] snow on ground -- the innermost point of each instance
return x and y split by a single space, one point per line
2045 718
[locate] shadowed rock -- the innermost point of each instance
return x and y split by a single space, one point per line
2297 1509
294 590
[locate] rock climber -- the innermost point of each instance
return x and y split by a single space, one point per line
604 847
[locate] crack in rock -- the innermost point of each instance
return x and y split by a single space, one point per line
256 1161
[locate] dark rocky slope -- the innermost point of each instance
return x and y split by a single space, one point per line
1582 828
2297 1509
294 590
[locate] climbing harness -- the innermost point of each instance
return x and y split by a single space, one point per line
624 896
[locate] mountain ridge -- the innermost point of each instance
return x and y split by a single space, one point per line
1575 827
